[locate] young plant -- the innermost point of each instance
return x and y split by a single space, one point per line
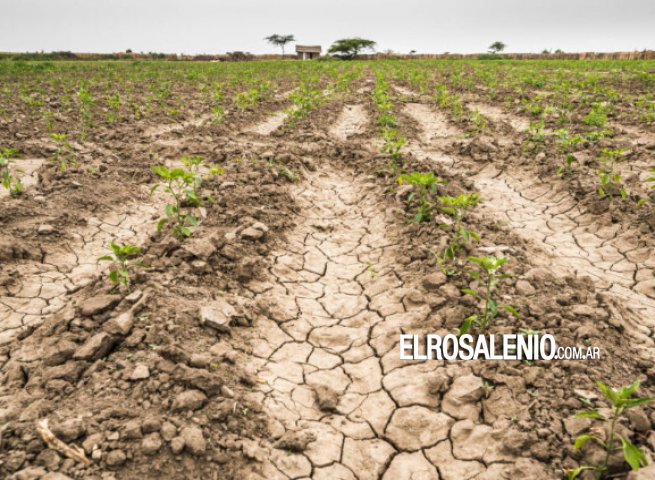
425 187
183 186
610 181
8 174
86 109
619 401
457 207
597 116
489 273
536 136
64 153
567 143
119 273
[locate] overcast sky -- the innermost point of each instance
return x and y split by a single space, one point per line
428 26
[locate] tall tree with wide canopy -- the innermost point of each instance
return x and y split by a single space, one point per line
349 48
280 40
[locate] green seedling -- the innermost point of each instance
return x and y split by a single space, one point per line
183 186
86 109
458 208
609 179
393 143
425 188
64 154
597 117
8 174
536 136
113 114
488 272
120 255
619 401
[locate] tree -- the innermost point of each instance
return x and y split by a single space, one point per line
350 47
280 40
497 47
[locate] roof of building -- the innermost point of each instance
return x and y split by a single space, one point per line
308 48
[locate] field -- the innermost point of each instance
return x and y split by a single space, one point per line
277 225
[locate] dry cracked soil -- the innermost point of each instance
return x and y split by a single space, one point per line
266 345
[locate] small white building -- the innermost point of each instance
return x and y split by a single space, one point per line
308 52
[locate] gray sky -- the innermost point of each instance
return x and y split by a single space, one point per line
428 26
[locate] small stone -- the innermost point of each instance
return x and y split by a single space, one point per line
96 454
433 281
59 353
151 424
168 431
29 473
217 315
201 248
92 442
94 305
646 473
200 360
189 400
326 397
49 458
141 372
583 311
69 430
132 430
134 297
95 347
639 420
55 476
525 288
120 325
227 392
45 229
115 458
194 442
151 443
177 444
254 232
295 441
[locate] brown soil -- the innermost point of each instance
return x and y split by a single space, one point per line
266 345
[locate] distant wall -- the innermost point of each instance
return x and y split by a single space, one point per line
245 56
643 55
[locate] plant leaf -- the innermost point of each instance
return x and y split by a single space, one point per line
633 455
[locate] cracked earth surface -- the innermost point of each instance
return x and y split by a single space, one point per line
328 362
42 288
619 262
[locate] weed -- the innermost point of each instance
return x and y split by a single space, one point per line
86 109
8 174
183 186
421 198
597 116
64 153
620 401
457 207
609 180
120 255
489 268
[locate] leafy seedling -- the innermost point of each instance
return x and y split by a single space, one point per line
64 153
488 272
8 174
609 179
182 185
619 401
120 255
458 208
421 198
